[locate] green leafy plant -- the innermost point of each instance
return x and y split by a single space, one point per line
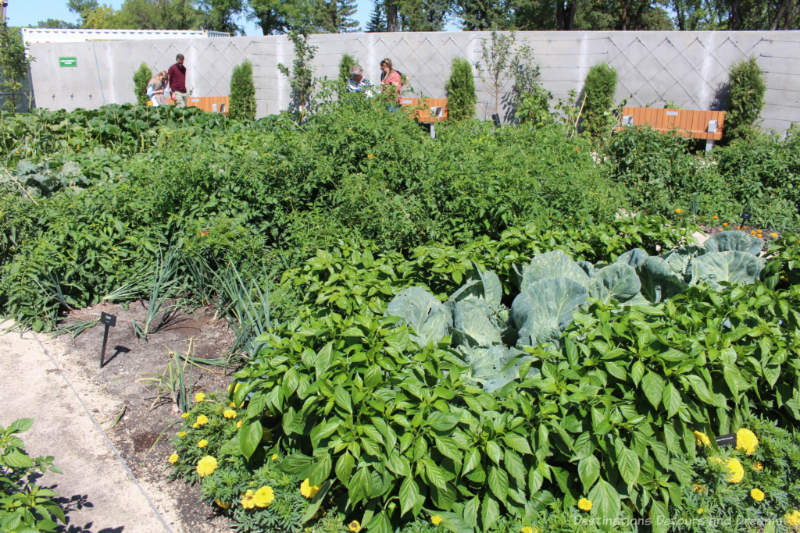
461 98
14 64
160 286
243 92
140 79
745 98
598 112
24 505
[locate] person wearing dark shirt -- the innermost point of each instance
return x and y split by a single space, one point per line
176 75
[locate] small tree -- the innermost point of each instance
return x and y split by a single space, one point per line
599 87
301 78
243 92
13 66
496 58
745 98
140 79
461 97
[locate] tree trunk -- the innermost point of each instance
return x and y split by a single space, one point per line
391 16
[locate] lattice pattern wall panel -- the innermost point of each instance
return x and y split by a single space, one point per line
687 69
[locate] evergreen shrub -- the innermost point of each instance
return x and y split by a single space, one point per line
599 88
461 97
745 99
243 93
140 79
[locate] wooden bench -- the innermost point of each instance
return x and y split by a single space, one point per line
428 111
692 123
211 104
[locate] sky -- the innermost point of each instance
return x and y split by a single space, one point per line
30 12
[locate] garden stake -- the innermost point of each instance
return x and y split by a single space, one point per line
726 440
108 321
745 217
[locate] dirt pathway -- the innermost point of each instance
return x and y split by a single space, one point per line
103 493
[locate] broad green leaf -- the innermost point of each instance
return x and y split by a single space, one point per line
321 469
605 499
653 388
498 483
518 443
588 471
409 492
472 460
344 467
342 399
490 512
494 451
250 437
20 425
671 399
628 465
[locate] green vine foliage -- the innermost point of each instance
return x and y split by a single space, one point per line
745 99
243 92
598 117
13 68
461 98
140 79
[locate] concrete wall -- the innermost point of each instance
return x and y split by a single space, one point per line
689 69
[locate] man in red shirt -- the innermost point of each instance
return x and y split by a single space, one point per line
176 75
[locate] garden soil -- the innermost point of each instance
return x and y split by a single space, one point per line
109 428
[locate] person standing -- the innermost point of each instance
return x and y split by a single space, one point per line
155 88
391 81
357 82
176 75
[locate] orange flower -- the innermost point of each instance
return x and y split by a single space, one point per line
715 217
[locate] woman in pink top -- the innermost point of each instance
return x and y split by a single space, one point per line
390 77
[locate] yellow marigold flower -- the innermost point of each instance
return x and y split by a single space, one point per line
201 420
370 156
239 424
199 397
173 458
202 444
758 466
206 466
735 470
724 223
526 529
181 434
231 404
354 526
757 495
746 441
221 504
699 488
773 235
701 439
700 510
436 520
678 211
184 415
585 504
792 519
275 457
263 497
229 413
307 490
248 500
195 425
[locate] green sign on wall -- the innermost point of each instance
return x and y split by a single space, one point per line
67 61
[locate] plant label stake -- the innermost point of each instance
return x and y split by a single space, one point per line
108 321
745 217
